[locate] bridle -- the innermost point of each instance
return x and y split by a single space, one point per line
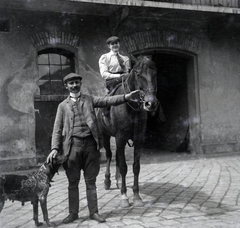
143 91
126 89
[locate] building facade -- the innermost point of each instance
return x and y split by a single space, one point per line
194 44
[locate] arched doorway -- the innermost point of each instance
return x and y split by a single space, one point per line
172 78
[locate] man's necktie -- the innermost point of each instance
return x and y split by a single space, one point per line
121 62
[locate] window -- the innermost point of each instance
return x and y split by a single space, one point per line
53 65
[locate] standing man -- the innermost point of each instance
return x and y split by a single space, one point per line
113 66
75 131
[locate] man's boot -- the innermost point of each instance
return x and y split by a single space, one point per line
93 206
73 201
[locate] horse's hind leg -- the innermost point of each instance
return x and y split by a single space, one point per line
117 173
106 144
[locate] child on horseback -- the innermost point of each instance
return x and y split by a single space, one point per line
113 66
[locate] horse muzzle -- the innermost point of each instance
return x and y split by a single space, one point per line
150 106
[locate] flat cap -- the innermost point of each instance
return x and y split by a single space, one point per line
112 39
71 76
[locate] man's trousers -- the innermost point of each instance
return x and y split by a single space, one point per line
83 156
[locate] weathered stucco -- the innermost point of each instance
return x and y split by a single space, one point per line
18 83
212 71
219 95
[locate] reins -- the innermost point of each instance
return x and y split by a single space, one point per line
129 90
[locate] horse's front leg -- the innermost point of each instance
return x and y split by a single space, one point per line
139 136
106 144
120 153
137 200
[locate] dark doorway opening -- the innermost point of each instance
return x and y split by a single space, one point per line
173 96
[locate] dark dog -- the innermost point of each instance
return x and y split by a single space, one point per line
33 187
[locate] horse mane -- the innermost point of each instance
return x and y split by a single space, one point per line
142 59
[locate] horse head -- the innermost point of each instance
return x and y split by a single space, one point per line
143 77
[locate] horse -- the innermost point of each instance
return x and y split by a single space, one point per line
128 122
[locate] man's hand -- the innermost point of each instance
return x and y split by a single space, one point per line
52 155
133 96
124 75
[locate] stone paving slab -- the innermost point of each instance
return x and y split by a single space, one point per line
178 190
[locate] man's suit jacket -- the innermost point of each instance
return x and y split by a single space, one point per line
63 125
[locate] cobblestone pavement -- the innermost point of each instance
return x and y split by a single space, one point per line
178 190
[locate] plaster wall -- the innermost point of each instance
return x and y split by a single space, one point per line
215 67
17 83
19 78
213 75
219 95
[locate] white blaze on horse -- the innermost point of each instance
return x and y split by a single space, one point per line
128 121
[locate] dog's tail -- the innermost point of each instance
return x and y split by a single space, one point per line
2 193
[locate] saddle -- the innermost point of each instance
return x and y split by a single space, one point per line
112 83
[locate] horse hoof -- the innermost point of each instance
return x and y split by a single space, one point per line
107 184
138 203
124 203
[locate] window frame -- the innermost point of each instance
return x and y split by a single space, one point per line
52 80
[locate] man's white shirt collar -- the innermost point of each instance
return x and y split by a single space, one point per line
75 96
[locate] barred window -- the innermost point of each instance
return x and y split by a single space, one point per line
53 65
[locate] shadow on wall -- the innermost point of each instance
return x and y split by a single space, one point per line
93 83
9 124
17 145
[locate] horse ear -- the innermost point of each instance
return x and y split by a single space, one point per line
133 60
